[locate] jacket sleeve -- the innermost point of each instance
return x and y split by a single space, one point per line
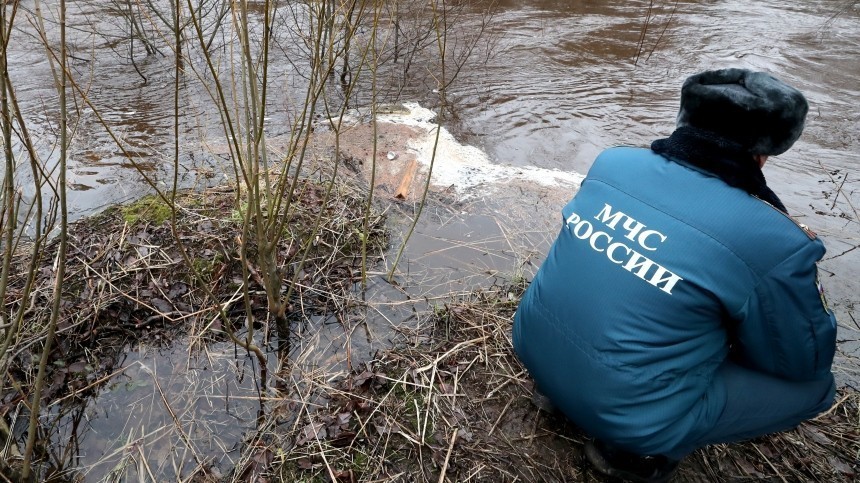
785 328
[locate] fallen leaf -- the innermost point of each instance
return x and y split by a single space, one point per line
360 379
178 289
183 307
313 430
747 467
817 436
841 466
344 438
766 451
345 476
264 457
162 305
465 435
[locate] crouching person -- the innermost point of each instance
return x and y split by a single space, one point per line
680 304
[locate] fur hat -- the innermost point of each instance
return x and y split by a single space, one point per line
754 109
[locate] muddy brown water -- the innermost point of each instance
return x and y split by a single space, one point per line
572 78
565 79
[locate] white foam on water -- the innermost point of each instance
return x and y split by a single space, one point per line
463 167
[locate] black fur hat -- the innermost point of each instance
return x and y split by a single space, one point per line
754 109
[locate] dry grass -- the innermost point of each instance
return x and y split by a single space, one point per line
454 405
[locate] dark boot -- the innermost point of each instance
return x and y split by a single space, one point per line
629 466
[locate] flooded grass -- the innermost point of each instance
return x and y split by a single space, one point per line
127 291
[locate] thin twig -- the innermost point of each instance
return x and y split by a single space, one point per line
839 191
448 456
453 350
767 460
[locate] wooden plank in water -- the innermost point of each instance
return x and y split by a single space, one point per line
406 181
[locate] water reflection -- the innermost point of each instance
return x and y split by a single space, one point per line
163 408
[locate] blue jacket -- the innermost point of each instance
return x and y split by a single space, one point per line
658 269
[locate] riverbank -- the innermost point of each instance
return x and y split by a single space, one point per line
432 392
154 276
445 399
453 403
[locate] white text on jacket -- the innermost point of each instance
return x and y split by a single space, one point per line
618 252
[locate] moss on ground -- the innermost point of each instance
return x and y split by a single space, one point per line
149 209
